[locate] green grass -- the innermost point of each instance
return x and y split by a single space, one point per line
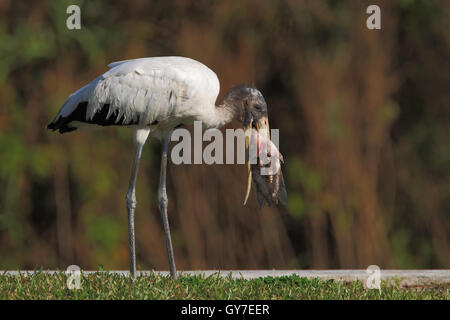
104 285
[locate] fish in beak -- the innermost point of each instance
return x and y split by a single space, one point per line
266 175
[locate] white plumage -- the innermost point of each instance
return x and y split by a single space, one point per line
148 90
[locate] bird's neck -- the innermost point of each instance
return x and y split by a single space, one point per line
219 115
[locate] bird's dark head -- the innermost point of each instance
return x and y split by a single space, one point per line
249 107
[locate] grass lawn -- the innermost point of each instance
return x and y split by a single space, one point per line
104 285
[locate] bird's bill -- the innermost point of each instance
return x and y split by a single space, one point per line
262 126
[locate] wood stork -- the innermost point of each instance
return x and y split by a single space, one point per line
155 95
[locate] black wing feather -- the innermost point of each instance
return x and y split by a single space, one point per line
79 114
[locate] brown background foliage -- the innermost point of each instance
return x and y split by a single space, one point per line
364 130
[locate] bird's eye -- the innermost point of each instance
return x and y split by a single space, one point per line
258 107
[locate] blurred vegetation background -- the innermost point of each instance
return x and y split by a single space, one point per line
364 130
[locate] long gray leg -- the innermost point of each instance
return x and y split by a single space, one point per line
141 136
163 202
